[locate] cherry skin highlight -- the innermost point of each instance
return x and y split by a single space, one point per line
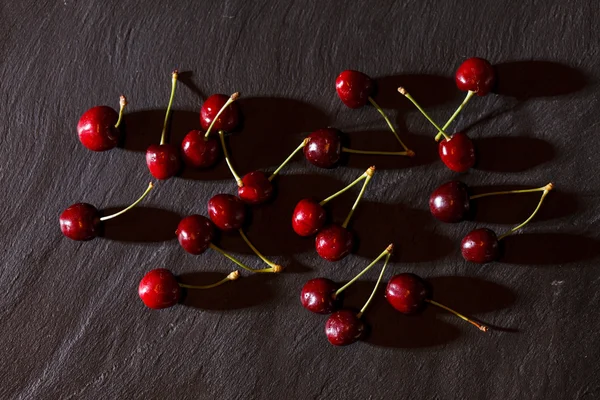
195 234
334 242
475 75
199 152
407 293
96 128
458 153
480 246
163 160
324 147
80 221
227 212
318 296
354 88
159 289
229 118
450 202
308 217
344 327
256 189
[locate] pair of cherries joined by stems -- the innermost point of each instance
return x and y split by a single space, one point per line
406 292
334 241
451 203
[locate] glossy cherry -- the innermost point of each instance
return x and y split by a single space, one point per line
80 221
407 293
98 128
308 217
163 160
354 88
458 152
450 202
195 233
480 246
334 242
344 327
476 75
324 147
256 189
227 121
159 289
318 296
198 151
227 212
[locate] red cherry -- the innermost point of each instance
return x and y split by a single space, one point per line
457 153
475 75
334 242
480 246
96 128
407 293
227 212
318 296
159 289
308 217
198 151
195 234
344 327
163 160
324 147
354 88
80 221
257 188
450 202
229 118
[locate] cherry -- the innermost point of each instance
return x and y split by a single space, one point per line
198 151
354 88
308 217
450 202
408 294
324 147
457 152
475 75
319 296
334 242
227 212
82 221
195 234
98 127
256 189
344 327
216 111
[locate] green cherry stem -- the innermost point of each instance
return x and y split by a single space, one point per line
231 277
362 310
283 164
237 178
540 189
481 327
360 178
409 97
122 104
390 125
458 110
238 262
231 99
175 75
387 252
369 173
150 186
547 190
273 267
408 153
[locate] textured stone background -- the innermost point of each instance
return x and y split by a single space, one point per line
71 323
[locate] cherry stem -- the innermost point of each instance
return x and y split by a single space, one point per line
547 190
389 123
168 113
274 267
362 310
481 327
122 104
231 277
369 174
135 203
409 97
387 251
302 145
237 178
336 194
470 94
231 99
478 196
408 153
236 261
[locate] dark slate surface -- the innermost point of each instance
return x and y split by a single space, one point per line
72 325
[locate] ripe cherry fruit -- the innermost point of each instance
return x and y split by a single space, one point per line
198 151
475 75
98 128
323 148
256 188
308 218
219 112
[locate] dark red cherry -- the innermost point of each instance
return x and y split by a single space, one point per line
80 221
407 293
480 246
354 88
475 75
344 327
457 153
96 128
195 233
198 152
257 188
324 147
308 217
318 296
163 160
159 289
229 118
450 202
334 242
227 212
